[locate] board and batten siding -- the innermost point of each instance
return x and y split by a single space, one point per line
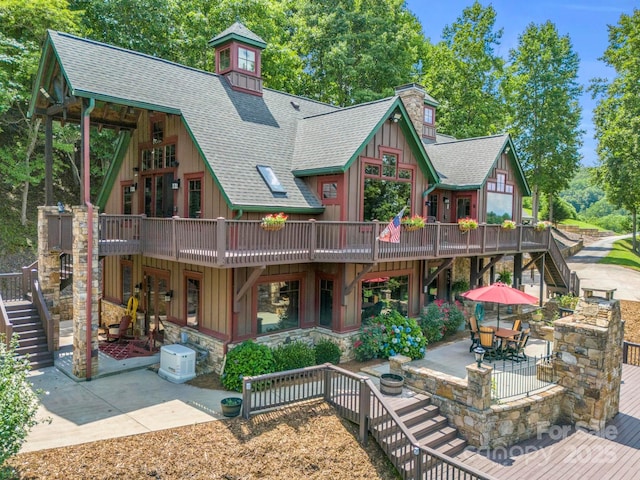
503 164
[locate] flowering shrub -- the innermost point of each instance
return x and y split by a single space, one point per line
542 225
441 320
467 223
274 219
390 334
367 345
415 221
509 225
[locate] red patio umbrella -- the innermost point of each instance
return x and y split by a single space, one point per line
501 294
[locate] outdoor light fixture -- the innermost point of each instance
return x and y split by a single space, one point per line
479 352
132 188
445 200
395 117
175 184
137 288
168 296
45 94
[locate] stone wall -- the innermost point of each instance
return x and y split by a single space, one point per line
212 361
65 307
49 270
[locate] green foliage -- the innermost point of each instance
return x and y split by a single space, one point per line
290 356
327 351
19 402
562 210
505 276
401 336
583 190
459 285
622 254
441 320
367 344
568 301
247 359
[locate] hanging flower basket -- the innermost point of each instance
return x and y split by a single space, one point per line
508 225
413 223
273 222
540 226
466 224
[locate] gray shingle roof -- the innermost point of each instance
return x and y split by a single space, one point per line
234 131
238 30
465 163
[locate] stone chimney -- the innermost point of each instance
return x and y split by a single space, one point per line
416 100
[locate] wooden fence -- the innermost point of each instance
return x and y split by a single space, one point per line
631 353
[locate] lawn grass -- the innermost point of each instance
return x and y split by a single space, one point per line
622 254
581 224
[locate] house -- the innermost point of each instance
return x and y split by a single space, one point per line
203 157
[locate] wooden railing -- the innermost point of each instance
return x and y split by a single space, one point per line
230 243
570 279
5 325
631 353
355 398
43 312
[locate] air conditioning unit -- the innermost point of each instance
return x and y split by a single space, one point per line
177 363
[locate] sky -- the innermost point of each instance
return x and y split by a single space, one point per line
585 21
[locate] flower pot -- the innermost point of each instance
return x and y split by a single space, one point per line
391 384
231 406
274 227
536 317
412 228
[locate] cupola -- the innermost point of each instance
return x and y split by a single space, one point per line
238 52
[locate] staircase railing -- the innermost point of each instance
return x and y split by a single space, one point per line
355 398
45 316
563 269
5 324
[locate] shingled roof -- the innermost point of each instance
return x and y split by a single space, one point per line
466 163
234 131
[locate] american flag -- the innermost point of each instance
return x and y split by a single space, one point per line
391 233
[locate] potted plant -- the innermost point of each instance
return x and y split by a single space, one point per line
416 222
273 221
231 406
536 315
509 225
467 223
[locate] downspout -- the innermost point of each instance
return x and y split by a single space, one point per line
86 124
238 215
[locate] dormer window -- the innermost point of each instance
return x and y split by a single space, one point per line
428 115
246 59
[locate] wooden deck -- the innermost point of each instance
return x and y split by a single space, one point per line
576 454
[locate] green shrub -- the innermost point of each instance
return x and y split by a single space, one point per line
366 346
327 352
19 402
401 336
247 359
431 323
453 317
568 301
293 355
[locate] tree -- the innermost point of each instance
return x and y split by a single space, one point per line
19 402
543 92
617 118
464 74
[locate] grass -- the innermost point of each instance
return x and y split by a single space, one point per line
622 254
581 224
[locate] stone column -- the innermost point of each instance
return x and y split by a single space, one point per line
412 96
588 361
82 294
49 270
479 386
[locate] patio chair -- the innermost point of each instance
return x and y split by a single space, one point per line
517 325
123 328
473 331
515 349
489 343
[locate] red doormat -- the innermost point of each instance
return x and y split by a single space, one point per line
121 351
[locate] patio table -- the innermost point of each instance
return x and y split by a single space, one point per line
505 334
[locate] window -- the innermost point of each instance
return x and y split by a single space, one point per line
329 190
326 303
194 200
501 180
385 292
463 209
127 199
428 115
278 306
126 269
157 131
433 206
389 163
246 59
388 184
193 301
270 178
225 59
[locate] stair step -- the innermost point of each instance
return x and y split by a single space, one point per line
32 349
393 439
453 447
39 359
26 327
419 415
19 305
450 449
433 440
33 340
34 332
417 401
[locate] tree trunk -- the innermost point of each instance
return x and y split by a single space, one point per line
33 139
535 204
550 205
634 241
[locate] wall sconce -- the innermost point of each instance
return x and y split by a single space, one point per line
175 184
479 353
175 163
445 200
137 288
395 117
168 296
135 170
132 188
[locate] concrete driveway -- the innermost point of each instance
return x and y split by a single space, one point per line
596 275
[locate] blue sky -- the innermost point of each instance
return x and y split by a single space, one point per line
585 21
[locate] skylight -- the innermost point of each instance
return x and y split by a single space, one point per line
271 180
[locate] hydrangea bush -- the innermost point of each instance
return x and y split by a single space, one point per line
401 336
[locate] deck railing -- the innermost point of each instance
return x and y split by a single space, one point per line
512 379
11 288
631 353
357 399
6 327
229 243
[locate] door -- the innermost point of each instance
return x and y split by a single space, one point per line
463 207
158 195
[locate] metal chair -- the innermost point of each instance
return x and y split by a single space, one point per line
473 331
123 328
515 349
517 325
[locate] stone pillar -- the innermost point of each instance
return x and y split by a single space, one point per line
49 271
479 386
588 361
412 96
396 362
82 294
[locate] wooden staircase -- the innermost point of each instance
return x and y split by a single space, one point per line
424 421
26 322
557 274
